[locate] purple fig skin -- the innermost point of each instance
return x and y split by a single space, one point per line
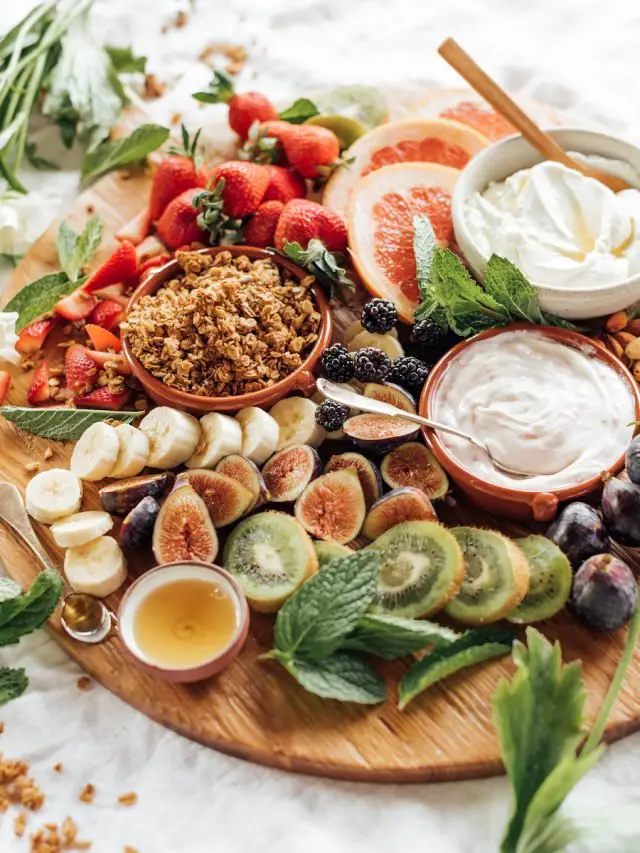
621 511
138 525
579 532
632 461
605 593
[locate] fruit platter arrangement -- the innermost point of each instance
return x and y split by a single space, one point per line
213 380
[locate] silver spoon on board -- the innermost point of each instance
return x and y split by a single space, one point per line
84 617
358 401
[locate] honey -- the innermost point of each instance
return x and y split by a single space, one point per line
184 623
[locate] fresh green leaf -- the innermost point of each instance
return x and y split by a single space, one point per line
299 111
76 251
114 153
392 637
9 589
24 614
66 244
312 623
321 264
125 62
424 247
39 297
472 647
13 683
35 160
14 260
219 91
344 677
451 283
508 286
63 424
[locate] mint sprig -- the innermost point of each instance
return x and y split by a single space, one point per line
75 251
347 678
23 614
392 637
115 153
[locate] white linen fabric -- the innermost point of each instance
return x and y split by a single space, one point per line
574 54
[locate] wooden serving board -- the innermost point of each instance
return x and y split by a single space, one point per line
255 710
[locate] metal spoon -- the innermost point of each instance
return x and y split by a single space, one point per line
84 617
377 407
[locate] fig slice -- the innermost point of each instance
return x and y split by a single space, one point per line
392 394
368 473
121 497
406 504
288 472
183 529
412 464
332 507
379 433
244 471
138 525
226 499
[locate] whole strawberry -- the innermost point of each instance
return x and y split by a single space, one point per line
261 228
244 186
265 142
244 108
178 225
176 173
311 150
284 185
303 220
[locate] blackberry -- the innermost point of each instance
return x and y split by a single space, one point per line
371 364
331 415
379 315
337 363
428 333
409 373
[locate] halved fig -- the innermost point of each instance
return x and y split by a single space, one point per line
379 433
288 472
121 497
244 471
407 504
138 525
392 394
412 464
368 473
332 507
327 551
226 499
183 529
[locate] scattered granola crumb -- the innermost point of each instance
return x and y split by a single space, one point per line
20 824
234 68
90 208
176 118
16 787
58 767
84 683
88 793
31 467
153 88
129 799
48 453
1 728
51 839
128 849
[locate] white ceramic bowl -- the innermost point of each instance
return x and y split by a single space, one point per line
512 154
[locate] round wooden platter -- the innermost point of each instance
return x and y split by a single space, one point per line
255 710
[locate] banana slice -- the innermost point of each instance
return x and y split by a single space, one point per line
260 433
98 568
387 343
53 494
133 452
220 436
81 528
296 417
173 436
95 452
356 328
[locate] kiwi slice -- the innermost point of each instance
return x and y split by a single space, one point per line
496 576
550 583
347 129
327 551
271 555
421 571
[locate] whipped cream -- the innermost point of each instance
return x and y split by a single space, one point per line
539 406
8 337
559 227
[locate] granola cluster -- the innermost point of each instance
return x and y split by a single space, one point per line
228 326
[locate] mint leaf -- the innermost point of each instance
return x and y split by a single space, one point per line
424 247
65 244
13 683
391 637
63 424
347 678
312 623
114 153
299 111
24 614
9 589
451 283
472 647
39 297
76 251
124 61
509 287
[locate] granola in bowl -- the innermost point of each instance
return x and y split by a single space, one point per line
226 326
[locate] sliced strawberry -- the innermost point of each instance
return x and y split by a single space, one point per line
80 371
136 229
149 265
107 314
118 267
102 398
33 336
117 360
151 246
5 382
110 292
102 339
77 305
39 389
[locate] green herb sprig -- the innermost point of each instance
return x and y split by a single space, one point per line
63 424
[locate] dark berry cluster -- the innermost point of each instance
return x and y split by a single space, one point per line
409 373
371 365
428 333
331 415
379 315
337 363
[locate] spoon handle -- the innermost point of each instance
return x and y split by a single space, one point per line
440 427
479 80
13 513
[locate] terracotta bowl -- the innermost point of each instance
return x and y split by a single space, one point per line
300 380
501 500
155 578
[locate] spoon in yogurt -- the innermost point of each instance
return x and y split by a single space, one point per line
353 400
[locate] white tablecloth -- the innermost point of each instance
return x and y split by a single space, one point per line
578 54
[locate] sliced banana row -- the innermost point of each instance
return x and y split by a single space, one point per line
296 418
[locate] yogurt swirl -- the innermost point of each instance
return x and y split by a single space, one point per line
539 405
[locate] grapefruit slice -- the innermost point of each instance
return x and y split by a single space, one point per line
448 143
382 207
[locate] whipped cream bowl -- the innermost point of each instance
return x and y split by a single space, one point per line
576 241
